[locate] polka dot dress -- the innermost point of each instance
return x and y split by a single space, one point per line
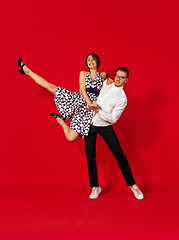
72 105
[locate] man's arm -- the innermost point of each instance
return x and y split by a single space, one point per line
114 115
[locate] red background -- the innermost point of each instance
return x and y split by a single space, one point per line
53 39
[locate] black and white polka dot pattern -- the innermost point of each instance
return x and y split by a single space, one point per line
72 105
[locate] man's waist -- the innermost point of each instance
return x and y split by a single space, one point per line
99 122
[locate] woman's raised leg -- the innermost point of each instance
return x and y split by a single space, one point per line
39 80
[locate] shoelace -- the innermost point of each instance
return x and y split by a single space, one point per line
94 190
137 191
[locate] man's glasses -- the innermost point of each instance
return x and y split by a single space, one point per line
120 77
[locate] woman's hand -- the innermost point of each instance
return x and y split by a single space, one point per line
93 105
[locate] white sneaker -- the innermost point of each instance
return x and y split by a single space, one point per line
137 193
95 192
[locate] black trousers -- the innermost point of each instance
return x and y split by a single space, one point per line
110 138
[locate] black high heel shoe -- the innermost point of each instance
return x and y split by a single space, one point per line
57 115
19 63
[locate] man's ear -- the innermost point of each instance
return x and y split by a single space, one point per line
126 80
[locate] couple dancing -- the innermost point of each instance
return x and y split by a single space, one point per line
99 104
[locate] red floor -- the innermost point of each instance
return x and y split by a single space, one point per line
66 213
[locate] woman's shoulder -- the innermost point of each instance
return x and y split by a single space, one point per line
83 73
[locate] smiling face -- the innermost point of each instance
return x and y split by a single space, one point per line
120 78
91 62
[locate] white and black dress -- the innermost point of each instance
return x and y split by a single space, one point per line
71 105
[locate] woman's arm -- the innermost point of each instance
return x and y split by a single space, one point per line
82 83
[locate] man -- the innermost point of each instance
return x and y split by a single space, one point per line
111 103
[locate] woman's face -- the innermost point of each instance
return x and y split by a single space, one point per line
91 62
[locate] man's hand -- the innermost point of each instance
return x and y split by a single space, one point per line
109 81
94 108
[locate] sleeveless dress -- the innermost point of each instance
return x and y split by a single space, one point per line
71 105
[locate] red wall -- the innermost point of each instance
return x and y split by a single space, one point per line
53 39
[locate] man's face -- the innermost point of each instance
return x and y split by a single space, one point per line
120 78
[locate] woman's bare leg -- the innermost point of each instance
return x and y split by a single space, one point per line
39 80
70 134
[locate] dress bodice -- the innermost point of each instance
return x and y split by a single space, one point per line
94 86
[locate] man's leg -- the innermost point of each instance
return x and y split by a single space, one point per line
110 138
90 146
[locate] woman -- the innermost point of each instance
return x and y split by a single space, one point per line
72 105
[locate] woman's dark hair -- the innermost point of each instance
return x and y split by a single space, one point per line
96 58
123 69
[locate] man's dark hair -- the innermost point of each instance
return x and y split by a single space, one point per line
123 69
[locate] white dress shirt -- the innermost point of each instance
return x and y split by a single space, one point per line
112 100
